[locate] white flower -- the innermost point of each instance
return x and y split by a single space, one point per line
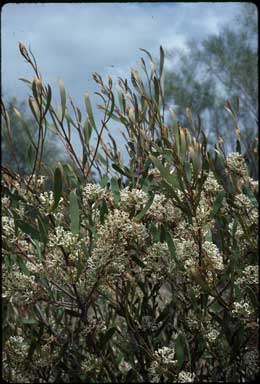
165 355
214 256
212 335
92 193
250 275
236 164
186 377
242 309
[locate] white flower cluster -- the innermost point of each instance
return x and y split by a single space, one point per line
36 180
63 238
165 355
211 187
241 309
250 275
18 286
157 259
17 347
214 258
249 211
115 239
236 164
91 193
162 210
8 228
186 377
186 250
134 199
46 199
209 192
212 335
5 202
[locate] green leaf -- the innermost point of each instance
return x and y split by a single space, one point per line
74 213
156 89
136 259
115 189
29 321
104 180
43 228
104 339
172 248
57 188
145 209
180 349
89 111
217 203
103 211
28 229
22 266
29 83
31 154
148 54
120 170
38 250
25 126
171 179
87 131
238 147
247 191
62 98
208 236
187 170
48 100
161 60
35 109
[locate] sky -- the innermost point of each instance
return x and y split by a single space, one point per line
72 40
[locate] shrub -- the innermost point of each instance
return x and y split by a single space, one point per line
147 274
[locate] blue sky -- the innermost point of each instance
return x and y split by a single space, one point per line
73 40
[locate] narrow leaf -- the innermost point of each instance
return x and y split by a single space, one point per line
171 179
161 60
145 209
57 188
62 97
89 111
171 246
74 213
28 229
180 352
104 339
217 203
115 189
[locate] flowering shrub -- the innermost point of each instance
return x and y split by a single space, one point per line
149 274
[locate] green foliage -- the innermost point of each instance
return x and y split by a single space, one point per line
19 143
221 67
150 275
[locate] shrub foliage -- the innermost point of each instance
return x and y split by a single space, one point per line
147 274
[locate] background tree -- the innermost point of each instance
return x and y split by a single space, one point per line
18 154
222 67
